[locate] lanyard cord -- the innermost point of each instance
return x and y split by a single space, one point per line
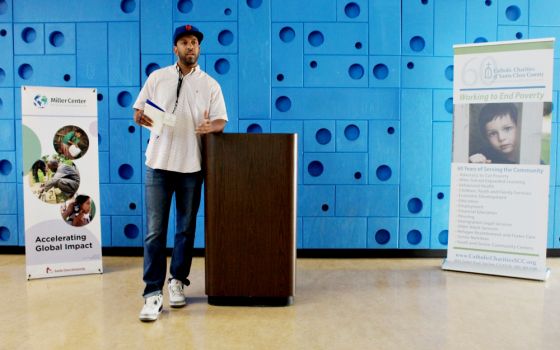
179 84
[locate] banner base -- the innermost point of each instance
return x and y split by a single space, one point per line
540 275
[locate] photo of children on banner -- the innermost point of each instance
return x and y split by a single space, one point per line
78 211
54 179
71 142
497 133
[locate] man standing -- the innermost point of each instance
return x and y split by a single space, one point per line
173 164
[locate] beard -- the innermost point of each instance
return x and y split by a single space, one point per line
189 60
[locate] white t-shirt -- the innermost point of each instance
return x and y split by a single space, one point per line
178 147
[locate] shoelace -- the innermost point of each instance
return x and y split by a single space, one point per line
176 289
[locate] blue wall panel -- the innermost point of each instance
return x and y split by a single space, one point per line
416 152
7 103
51 70
374 200
7 135
303 11
481 21
126 231
224 69
384 152
443 105
121 100
506 33
548 32
335 168
106 229
6 62
544 13
316 200
81 11
441 153
8 230
513 12
351 136
60 38
334 232
8 190
254 126
352 10
6 11
336 103
219 37
384 71
124 54
103 119
29 39
385 27
104 176
319 136
157 26
124 152
383 233
287 54
216 10
414 233
121 199
92 54
440 217
8 171
422 72
335 71
417 27
254 61
153 62
335 38
449 19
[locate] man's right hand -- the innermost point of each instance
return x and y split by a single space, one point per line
141 119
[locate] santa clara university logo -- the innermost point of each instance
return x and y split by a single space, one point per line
40 101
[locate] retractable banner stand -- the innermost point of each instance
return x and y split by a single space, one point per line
60 181
501 154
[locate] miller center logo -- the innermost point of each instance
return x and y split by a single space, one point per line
40 101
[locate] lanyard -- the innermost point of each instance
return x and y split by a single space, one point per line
179 84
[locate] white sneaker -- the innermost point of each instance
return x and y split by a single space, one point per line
176 296
152 308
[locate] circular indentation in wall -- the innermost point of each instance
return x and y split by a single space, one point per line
356 71
56 38
315 168
3 7
352 10
424 2
351 132
5 167
325 207
3 32
513 13
126 171
414 237
128 6
440 195
283 104
2 75
280 77
221 66
390 130
519 35
383 172
382 236
28 35
358 45
124 99
185 6
410 65
443 237
99 97
417 43
4 233
323 136
1 103
227 12
415 205
315 38
150 68
225 38
357 175
132 206
380 71
287 34
449 105
254 3
488 2
313 64
98 139
131 231
131 129
254 129
66 77
25 71
480 39
449 73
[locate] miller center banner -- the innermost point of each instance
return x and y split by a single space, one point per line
61 181
502 122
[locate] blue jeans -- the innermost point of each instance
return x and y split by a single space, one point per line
160 187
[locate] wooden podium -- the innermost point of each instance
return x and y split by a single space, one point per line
250 218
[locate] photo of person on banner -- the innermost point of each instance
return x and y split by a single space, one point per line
71 142
510 133
78 211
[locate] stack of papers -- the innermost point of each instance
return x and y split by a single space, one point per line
158 116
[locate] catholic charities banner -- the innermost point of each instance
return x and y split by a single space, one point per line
60 181
501 154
